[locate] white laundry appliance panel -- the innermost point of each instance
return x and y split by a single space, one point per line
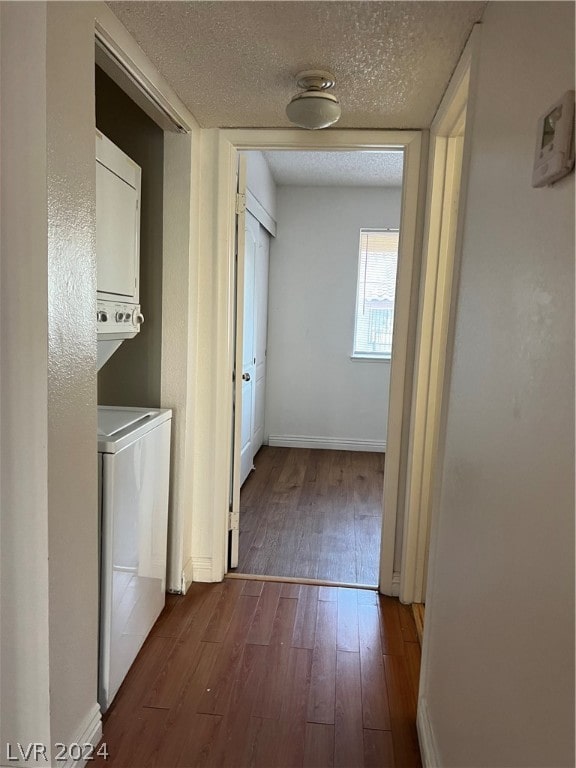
118 194
135 476
118 191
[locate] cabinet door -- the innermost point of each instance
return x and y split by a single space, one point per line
117 234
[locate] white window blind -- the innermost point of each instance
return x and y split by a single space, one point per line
374 319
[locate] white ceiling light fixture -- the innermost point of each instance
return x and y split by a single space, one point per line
314 107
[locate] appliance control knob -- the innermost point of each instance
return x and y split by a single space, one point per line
119 317
101 316
138 317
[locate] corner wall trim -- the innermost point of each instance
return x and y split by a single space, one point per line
90 732
428 746
330 443
202 569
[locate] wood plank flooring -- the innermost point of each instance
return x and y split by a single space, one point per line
312 514
252 674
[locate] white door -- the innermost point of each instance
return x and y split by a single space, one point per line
261 328
237 418
247 449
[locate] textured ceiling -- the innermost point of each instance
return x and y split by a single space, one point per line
343 169
233 63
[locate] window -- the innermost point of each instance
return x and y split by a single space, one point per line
374 318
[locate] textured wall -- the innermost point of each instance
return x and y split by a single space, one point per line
24 660
499 650
313 387
72 475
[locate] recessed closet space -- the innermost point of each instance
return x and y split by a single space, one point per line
134 433
132 376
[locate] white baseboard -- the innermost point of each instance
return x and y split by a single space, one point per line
396 584
202 569
90 732
187 575
428 746
330 443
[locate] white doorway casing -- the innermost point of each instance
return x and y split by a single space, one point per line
445 210
438 294
224 147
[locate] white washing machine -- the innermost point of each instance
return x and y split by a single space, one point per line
134 469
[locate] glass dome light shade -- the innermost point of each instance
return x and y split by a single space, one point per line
314 110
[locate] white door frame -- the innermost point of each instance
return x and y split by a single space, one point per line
237 417
439 267
463 83
229 143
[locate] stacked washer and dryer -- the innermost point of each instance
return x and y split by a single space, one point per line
133 443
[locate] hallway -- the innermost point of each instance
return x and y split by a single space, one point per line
313 514
264 674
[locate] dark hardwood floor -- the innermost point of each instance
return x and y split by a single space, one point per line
269 675
312 514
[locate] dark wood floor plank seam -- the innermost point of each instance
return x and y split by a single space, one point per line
322 694
375 709
319 746
304 635
235 729
261 628
215 699
347 633
165 689
349 737
223 611
268 703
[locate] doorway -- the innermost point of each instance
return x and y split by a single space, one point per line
316 376
230 142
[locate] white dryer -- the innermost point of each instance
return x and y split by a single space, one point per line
134 469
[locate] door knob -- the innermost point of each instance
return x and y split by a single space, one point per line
245 377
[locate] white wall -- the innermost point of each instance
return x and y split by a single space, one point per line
498 666
49 521
72 495
314 389
24 687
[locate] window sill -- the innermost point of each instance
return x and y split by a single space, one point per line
369 359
